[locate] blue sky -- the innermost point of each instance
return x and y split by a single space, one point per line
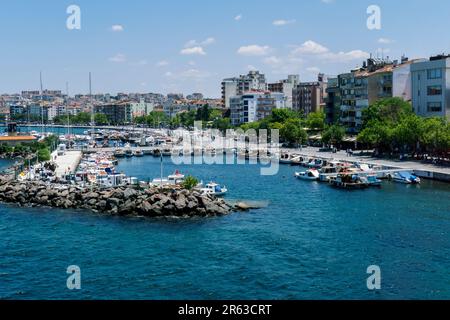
190 45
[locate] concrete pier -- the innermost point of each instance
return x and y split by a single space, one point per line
68 163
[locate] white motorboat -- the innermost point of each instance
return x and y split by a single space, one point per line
311 175
215 189
406 178
138 153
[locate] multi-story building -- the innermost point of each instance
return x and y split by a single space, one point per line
286 87
332 101
377 79
431 87
254 106
231 87
118 113
142 108
310 97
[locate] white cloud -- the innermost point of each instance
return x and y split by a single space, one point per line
188 75
118 58
193 51
346 56
310 47
191 63
208 41
385 41
162 63
238 17
195 43
117 28
254 50
272 61
282 22
251 67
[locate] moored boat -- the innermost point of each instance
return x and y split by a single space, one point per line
405 177
348 181
215 189
311 175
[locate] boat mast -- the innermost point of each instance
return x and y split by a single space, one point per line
67 108
161 169
90 101
42 103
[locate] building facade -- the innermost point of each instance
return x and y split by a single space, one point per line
254 106
332 101
310 97
253 81
286 87
431 87
119 113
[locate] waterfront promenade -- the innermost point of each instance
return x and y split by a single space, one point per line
66 163
423 170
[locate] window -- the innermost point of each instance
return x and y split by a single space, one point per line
435 90
434 106
434 74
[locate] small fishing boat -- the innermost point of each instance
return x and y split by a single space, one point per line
311 175
119 153
128 153
157 153
406 178
213 188
138 153
167 152
371 180
348 181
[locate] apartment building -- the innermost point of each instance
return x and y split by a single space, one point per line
431 87
310 97
118 113
231 87
286 87
255 106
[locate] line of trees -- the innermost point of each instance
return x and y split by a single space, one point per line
391 127
34 150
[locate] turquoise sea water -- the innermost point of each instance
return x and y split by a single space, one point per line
310 242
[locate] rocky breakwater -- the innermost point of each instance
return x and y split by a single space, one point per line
123 201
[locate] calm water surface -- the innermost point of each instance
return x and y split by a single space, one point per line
310 242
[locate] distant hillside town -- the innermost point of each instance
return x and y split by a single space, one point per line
250 98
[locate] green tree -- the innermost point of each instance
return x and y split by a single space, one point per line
333 135
190 183
82 118
316 120
101 119
436 135
293 132
390 110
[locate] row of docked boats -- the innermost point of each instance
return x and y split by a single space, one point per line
351 176
99 169
177 179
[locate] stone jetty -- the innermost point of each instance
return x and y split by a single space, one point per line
122 201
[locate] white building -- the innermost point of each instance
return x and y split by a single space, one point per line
255 106
231 87
140 109
431 87
286 87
